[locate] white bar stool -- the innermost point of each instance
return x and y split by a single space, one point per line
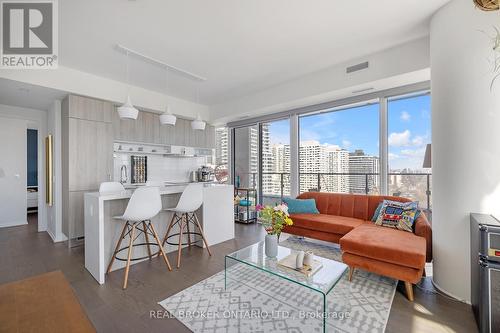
111 187
144 204
184 214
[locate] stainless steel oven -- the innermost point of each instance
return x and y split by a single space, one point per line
490 300
485 271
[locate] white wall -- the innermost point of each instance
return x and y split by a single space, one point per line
34 119
394 67
54 213
13 162
82 83
465 137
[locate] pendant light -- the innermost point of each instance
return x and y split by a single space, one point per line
167 118
127 110
198 124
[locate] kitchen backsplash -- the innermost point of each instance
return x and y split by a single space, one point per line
164 168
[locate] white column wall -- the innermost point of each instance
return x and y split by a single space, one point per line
465 137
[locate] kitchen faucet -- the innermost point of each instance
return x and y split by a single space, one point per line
123 174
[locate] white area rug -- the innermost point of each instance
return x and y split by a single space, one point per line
256 301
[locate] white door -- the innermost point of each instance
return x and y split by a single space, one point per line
13 172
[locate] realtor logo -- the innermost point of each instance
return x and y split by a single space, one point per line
29 34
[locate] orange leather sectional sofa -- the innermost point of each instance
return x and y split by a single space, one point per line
346 219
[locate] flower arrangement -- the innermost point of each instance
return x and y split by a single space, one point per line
274 219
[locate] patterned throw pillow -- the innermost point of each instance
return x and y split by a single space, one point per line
398 215
379 207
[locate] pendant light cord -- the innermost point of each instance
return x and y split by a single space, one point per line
166 83
197 93
167 109
128 78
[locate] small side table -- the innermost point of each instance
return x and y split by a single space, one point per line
245 213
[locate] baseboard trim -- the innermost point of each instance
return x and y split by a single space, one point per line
54 238
441 290
13 224
51 235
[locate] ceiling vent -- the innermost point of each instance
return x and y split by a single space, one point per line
358 67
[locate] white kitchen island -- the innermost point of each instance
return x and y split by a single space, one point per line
102 231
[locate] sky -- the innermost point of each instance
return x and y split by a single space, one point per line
357 128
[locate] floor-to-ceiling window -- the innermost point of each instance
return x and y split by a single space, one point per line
275 142
409 128
380 145
339 150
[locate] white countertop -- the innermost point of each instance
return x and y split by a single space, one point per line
164 190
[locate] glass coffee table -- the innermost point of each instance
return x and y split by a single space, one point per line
323 281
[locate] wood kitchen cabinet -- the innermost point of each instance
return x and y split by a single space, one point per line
87 155
89 128
79 107
90 154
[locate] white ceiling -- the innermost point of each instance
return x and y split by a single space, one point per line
241 46
25 95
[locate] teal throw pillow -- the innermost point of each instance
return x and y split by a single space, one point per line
377 212
301 206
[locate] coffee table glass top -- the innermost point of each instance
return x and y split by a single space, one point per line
322 281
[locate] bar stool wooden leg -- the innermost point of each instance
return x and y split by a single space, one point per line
146 236
188 233
172 223
130 246
202 233
161 247
179 251
125 225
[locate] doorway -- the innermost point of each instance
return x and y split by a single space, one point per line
32 175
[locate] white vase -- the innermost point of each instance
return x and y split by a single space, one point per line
308 258
299 261
271 246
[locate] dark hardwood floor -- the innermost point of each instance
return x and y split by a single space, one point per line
24 252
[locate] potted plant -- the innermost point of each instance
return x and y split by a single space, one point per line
495 41
487 5
273 219
492 5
